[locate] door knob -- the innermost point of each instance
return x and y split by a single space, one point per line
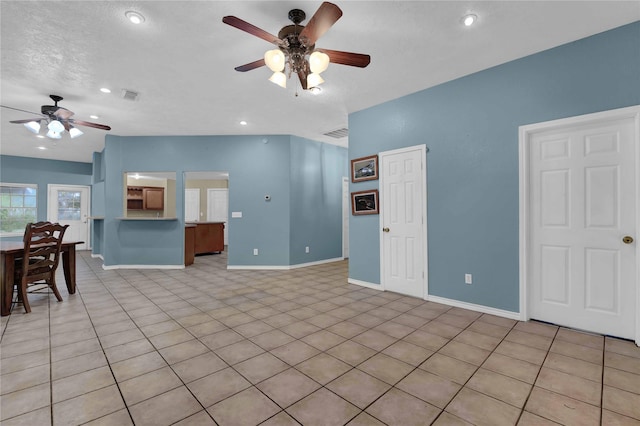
627 239
385 229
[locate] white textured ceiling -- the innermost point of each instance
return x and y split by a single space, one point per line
182 59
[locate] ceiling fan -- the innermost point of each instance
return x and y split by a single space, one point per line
58 119
296 53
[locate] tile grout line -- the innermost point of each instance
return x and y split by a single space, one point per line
604 353
151 343
50 363
477 367
533 385
161 283
103 351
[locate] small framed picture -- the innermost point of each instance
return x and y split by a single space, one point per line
364 202
365 168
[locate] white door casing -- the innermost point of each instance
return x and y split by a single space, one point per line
403 221
579 197
191 204
218 208
346 212
69 205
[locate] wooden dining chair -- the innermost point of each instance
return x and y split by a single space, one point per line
42 242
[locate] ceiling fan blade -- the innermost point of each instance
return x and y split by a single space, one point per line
251 66
63 113
89 124
326 15
303 79
28 120
347 58
251 29
22 110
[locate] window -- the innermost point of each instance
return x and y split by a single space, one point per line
69 205
17 207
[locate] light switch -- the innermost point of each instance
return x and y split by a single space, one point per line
236 214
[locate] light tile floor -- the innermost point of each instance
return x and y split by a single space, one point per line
205 345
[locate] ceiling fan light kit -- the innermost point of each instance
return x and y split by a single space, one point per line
55 126
33 126
58 120
318 62
274 60
74 132
314 80
53 135
296 53
279 78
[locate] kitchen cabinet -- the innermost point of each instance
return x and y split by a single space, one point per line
189 244
209 237
153 198
145 198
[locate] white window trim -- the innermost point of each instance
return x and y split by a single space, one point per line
23 185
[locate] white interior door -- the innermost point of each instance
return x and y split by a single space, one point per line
346 211
191 204
69 205
403 221
218 208
583 203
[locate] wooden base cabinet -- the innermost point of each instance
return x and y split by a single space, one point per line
209 237
189 244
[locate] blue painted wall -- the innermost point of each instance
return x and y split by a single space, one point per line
316 200
42 173
97 204
471 128
255 169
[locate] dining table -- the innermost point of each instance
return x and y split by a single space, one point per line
12 250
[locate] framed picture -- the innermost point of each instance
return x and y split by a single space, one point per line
364 202
365 168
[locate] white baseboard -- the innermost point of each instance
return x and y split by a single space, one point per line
97 256
365 284
283 267
474 307
450 302
106 268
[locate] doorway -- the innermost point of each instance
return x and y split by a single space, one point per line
346 212
579 222
403 221
69 205
218 208
191 204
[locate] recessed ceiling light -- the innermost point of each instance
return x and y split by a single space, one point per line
42 147
40 136
134 17
469 19
105 90
243 123
95 117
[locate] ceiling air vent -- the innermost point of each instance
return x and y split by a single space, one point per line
130 95
338 134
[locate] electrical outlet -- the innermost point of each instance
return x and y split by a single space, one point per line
306 249
468 279
255 252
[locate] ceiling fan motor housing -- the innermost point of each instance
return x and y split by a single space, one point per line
50 109
296 16
294 48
